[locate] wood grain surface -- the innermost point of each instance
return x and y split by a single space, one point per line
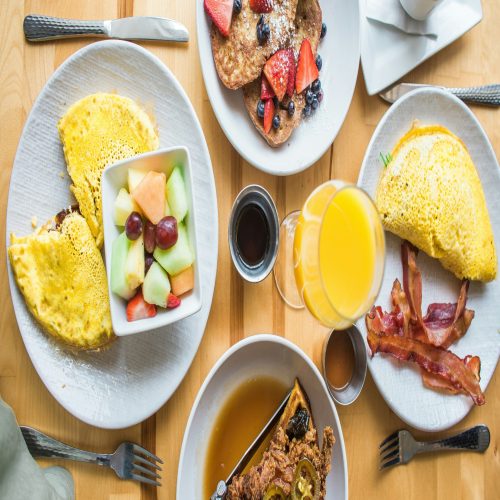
238 309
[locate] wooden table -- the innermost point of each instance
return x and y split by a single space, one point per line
238 309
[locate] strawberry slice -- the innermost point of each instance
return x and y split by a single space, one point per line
261 6
266 91
307 71
173 301
268 115
276 70
138 308
292 68
221 13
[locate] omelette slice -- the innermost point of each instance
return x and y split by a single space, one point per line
96 131
430 194
61 275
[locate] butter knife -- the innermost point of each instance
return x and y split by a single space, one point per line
40 28
489 95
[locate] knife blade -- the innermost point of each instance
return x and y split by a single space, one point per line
40 28
488 95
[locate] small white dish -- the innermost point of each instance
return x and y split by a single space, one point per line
113 179
307 144
400 383
259 355
387 53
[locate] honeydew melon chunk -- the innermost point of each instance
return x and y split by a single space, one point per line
167 210
156 286
124 206
119 253
178 257
176 194
135 177
134 266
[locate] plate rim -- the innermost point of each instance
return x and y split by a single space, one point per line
391 110
261 337
206 71
124 423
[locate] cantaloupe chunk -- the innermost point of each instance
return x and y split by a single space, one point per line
150 195
182 282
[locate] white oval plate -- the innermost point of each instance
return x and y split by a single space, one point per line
260 355
340 53
131 380
400 383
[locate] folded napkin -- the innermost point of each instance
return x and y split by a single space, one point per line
20 476
392 13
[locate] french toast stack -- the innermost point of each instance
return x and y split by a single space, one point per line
268 48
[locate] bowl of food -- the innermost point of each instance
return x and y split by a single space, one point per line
150 240
239 396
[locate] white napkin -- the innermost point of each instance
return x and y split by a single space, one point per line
20 476
392 13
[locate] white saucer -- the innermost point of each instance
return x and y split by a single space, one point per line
387 53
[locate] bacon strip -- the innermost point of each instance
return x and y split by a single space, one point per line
432 359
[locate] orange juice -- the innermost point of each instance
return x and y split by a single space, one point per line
338 253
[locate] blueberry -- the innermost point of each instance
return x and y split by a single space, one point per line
309 96
319 62
315 103
276 102
237 6
307 110
291 108
260 109
323 30
276 121
316 86
319 96
263 30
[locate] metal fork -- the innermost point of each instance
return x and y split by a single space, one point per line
400 447
129 461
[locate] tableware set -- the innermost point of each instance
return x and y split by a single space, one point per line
297 273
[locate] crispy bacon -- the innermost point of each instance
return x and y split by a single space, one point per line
432 359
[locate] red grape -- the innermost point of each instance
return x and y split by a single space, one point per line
148 261
149 237
133 226
166 232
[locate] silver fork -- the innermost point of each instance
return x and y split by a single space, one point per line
129 461
400 447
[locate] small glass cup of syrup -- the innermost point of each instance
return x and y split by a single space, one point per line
344 364
254 233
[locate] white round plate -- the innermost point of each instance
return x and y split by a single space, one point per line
135 376
400 383
340 53
260 355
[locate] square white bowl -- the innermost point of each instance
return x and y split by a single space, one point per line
113 179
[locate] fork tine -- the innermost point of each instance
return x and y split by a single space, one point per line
389 445
390 454
142 479
388 438
140 449
390 463
142 469
142 460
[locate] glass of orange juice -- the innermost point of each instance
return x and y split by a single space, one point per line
332 253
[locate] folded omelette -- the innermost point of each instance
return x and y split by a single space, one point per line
61 274
96 131
430 194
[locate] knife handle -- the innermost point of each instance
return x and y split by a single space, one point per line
40 28
489 95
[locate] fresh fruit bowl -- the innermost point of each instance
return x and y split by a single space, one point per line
125 195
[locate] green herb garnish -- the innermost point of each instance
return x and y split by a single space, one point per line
386 159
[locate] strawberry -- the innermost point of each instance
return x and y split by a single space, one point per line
173 301
268 115
221 13
307 71
266 91
261 6
138 308
292 68
276 70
